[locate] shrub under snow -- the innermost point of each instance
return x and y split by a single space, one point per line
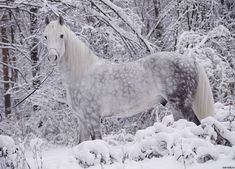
183 140
94 152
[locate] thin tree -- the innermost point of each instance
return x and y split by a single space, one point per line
34 48
5 67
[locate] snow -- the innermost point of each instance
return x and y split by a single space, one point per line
94 152
231 154
6 141
62 158
36 143
169 145
55 158
212 122
7 144
202 152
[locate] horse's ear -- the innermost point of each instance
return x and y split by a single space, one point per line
47 21
61 20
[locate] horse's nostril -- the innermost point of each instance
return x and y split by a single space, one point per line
52 57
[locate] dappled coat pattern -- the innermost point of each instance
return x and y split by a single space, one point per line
97 88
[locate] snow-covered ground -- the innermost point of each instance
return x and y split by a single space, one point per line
165 145
63 158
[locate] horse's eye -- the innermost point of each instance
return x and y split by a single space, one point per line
45 37
61 36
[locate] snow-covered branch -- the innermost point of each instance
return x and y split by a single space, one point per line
121 14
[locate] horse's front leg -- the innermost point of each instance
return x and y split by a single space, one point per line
84 133
96 131
78 108
94 125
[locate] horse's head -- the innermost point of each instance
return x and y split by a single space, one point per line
55 38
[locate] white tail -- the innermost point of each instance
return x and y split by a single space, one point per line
203 103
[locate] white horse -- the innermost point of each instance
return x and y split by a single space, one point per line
97 88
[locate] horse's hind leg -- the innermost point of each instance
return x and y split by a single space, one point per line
96 131
182 111
177 113
189 114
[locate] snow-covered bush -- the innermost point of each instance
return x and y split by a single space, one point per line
13 154
183 140
7 145
8 151
204 154
211 49
226 115
95 152
217 133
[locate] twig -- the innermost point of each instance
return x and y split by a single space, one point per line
34 89
181 146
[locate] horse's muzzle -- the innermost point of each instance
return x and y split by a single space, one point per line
52 55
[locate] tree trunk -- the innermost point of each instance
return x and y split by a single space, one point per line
176 33
14 73
188 17
5 68
34 48
158 31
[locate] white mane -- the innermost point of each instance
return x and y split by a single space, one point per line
78 57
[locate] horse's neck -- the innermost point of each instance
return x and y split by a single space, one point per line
78 58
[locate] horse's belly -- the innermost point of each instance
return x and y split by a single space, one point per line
126 107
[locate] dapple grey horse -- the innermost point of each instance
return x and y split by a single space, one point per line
97 88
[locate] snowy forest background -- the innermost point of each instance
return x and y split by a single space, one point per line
117 30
